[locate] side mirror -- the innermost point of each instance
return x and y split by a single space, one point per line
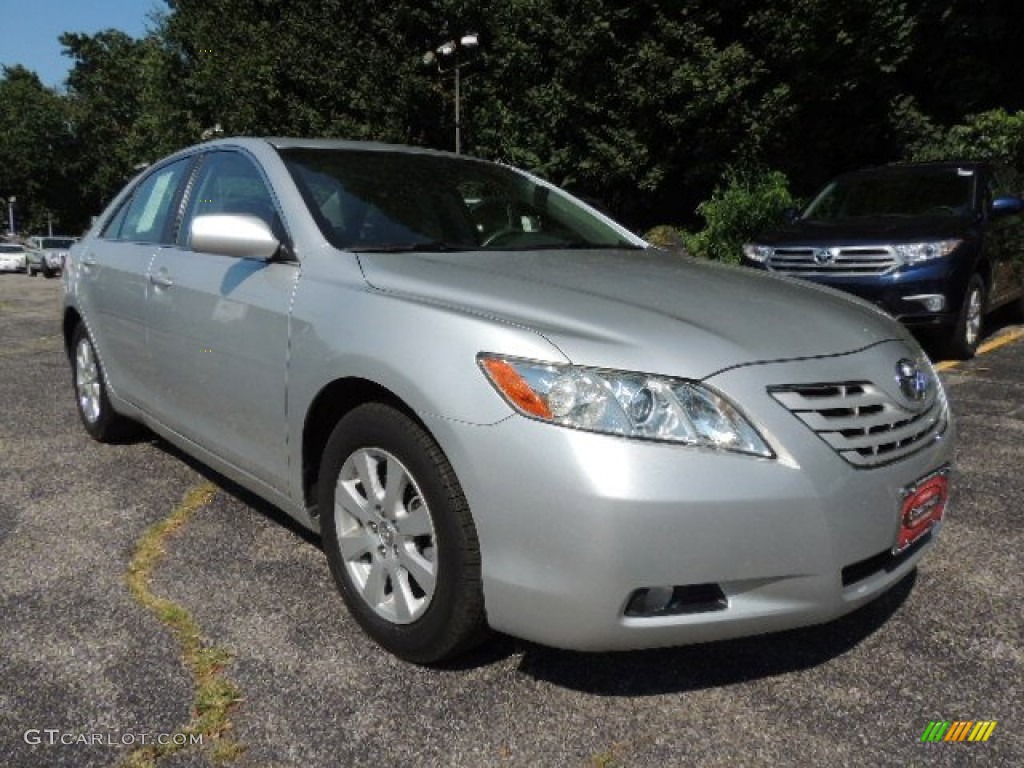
234 234
1006 206
789 215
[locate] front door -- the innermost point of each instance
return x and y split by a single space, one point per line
219 330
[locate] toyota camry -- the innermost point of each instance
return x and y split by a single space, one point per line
499 408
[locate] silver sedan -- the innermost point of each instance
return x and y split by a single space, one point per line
498 407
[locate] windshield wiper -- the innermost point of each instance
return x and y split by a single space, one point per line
424 246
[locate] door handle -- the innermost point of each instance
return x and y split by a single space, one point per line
161 279
89 261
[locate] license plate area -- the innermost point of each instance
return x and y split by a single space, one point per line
922 505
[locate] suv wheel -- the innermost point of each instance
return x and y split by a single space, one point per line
399 537
967 332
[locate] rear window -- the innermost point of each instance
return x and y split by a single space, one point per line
56 243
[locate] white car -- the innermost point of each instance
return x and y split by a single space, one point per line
46 255
12 257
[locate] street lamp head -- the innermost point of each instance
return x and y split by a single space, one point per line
429 58
446 49
470 40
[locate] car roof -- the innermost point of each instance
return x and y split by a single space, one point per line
895 169
286 142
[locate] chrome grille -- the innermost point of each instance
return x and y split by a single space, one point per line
847 260
862 423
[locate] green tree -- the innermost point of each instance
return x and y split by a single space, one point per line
839 68
34 150
994 135
747 202
319 68
114 112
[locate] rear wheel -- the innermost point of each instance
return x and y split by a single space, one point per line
966 335
399 537
98 416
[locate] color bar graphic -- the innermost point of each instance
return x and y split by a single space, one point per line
958 730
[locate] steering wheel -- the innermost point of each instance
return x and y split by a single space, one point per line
948 209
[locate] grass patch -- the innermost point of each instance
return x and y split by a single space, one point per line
215 695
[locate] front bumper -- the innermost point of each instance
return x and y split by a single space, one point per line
572 524
890 292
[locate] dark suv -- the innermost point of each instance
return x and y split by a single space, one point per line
936 245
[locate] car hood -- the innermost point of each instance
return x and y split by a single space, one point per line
639 310
868 229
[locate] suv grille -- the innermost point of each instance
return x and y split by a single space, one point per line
849 260
862 423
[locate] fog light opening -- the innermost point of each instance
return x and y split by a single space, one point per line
933 302
651 602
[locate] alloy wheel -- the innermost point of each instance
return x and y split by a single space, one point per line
87 381
386 536
972 328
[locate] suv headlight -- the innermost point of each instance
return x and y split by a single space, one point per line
758 253
914 253
623 403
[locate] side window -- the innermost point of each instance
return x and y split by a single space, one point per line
229 182
145 218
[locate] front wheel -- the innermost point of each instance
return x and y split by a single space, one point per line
399 537
963 342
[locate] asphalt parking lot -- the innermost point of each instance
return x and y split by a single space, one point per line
91 673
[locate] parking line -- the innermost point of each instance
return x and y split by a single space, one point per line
988 346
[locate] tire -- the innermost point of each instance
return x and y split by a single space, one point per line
399 537
99 418
966 335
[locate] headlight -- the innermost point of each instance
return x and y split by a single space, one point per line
758 253
623 403
914 253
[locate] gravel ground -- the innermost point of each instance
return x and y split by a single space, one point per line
82 660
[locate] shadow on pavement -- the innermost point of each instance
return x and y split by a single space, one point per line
639 673
713 665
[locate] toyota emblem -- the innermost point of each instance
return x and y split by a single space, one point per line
823 256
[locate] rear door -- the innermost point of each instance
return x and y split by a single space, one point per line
113 281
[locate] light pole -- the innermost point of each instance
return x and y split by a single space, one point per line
449 58
10 215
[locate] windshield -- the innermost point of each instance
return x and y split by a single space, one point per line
56 243
904 192
12 248
374 200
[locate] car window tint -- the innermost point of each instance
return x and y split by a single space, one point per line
229 182
145 218
56 242
381 199
898 192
